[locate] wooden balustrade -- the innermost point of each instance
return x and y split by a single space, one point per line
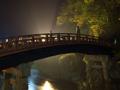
48 39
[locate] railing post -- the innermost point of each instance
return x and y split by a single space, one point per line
68 37
77 36
46 38
33 39
15 41
51 37
58 36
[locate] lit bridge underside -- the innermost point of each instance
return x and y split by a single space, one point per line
26 48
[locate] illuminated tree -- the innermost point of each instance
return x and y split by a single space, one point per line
95 14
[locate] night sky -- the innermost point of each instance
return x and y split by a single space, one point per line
26 16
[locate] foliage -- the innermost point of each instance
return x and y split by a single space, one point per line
93 13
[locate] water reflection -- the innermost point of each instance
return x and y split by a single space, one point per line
71 71
47 86
36 82
63 72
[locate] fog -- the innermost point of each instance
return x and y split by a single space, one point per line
27 16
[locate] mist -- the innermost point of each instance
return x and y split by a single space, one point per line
27 16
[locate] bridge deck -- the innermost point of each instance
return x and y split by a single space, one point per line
26 48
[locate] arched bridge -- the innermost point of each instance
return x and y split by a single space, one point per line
16 50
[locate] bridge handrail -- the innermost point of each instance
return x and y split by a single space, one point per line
48 37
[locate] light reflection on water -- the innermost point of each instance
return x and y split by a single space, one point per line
46 86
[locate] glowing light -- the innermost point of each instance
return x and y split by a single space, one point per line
119 18
47 86
43 40
35 40
13 43
6 40
0 45
61 38
56 39
29 41
71 38
20 38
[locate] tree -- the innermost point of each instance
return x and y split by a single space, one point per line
95 14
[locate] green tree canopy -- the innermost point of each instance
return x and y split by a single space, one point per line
95 14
